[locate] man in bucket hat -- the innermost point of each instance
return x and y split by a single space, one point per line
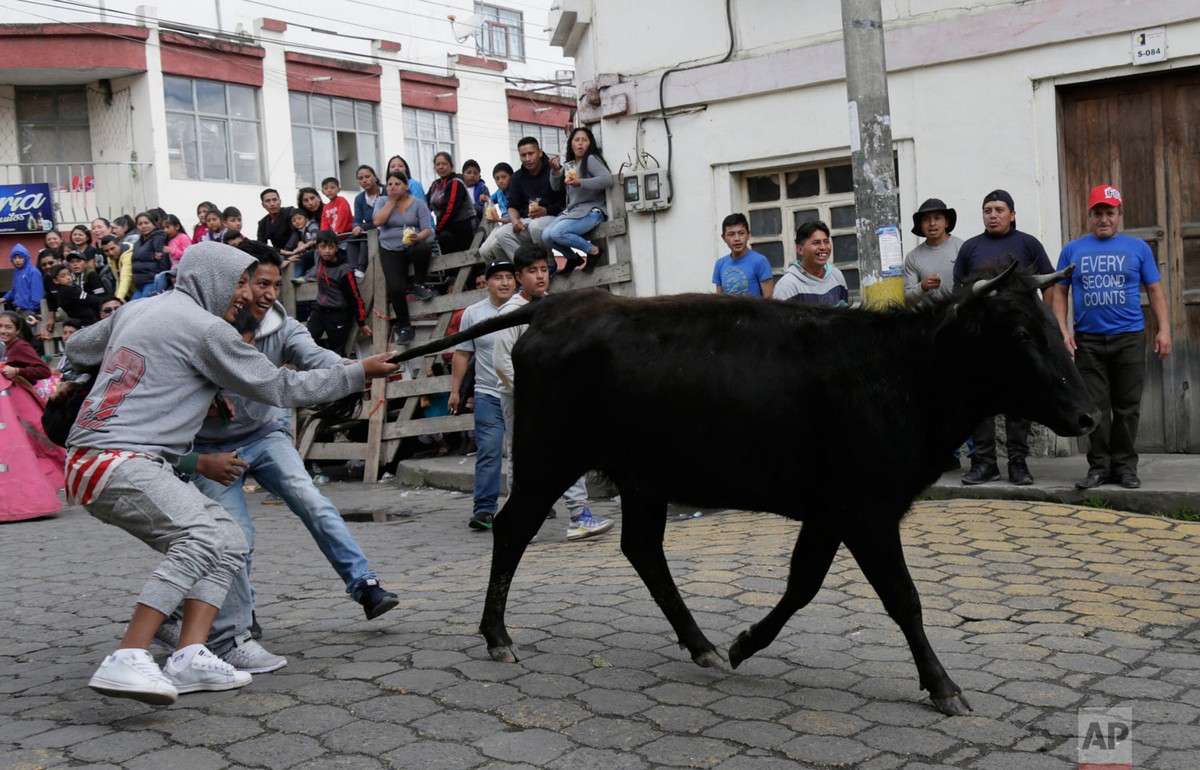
929 268
1109 341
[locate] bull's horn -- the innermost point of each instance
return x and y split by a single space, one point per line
986 285
1044 282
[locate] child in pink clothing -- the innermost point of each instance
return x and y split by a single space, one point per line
177 239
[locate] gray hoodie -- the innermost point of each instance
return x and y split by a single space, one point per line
284 341
164 358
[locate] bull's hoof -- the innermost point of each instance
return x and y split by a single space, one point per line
953 705
709 659
736 656
502 654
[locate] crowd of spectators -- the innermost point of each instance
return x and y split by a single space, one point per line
129 258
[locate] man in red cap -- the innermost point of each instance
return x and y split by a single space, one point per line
1109 342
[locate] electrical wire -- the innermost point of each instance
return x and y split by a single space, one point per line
662 82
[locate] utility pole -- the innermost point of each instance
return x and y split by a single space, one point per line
880 254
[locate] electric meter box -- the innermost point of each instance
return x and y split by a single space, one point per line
646 189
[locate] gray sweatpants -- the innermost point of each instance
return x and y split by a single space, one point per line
203 544
503 241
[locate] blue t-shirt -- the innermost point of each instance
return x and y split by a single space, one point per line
1108 275
742 275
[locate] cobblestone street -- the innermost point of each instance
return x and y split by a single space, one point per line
1036 609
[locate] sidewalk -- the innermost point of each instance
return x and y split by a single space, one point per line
1170 483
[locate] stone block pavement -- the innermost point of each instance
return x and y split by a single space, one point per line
1037 609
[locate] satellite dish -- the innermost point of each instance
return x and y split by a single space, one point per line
467 28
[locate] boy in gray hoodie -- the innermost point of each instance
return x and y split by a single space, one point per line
161 361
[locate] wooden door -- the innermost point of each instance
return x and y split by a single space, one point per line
1140 135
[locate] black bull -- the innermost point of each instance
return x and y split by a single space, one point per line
838 418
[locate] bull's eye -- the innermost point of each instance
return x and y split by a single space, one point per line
1022 335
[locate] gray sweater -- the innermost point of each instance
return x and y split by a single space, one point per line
283 340
926 260
162 359
590 192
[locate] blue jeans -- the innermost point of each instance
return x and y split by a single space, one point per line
142 291
564 234
279 469
489 443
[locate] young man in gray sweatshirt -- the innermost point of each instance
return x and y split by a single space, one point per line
255 440
161 361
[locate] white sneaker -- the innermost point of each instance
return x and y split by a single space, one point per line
587 525
250 656
206 673
134 674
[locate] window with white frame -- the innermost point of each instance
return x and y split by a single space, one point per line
501 33
213 130
552 139
780 201
426 133
332 136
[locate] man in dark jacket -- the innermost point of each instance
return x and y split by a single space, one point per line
998 245
533 203
275 228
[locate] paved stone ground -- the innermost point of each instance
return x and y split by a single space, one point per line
1036 609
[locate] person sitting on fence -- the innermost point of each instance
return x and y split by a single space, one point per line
339 303
309 201
405 237
123 227
233 220
70 300
532 205
177 243
150 256
200 231
336 214
53 245
498 211
81 241
472 176
91 288
452 206
415 189
302 240
274 228
586 178
364 218
19 359
214 225
118 259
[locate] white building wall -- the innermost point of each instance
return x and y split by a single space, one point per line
427 45
972 97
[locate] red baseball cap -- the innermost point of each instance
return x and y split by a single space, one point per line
1106 195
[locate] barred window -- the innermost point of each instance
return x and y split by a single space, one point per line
502 33
779 201
552 139
332 136
213 131
426 133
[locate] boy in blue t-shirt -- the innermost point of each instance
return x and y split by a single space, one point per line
742 270
1109 340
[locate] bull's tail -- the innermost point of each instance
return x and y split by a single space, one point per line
505 321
